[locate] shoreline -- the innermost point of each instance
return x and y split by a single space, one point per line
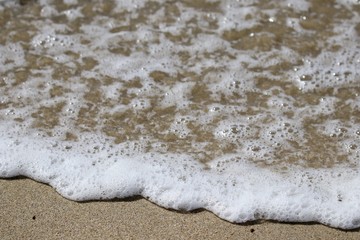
33 210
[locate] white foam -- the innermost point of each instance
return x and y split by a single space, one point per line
245 111
235 190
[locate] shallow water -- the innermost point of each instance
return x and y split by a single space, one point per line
249 109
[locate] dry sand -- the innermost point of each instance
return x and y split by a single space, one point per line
32 210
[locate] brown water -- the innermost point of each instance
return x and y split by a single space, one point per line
206 100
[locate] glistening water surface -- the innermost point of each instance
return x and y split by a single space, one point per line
249 109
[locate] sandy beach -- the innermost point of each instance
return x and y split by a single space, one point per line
228 105
32 210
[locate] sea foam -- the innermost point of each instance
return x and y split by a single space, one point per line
247 109
230 187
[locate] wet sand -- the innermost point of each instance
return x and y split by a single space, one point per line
32 210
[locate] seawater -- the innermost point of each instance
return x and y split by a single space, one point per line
249 109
